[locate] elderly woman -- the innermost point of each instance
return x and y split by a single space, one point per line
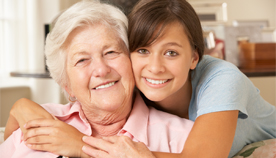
87 55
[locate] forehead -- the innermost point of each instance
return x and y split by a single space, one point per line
92 34
163 29
173 28
94 39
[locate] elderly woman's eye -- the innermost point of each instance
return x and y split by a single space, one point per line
80 61
110 52
171 53
142 51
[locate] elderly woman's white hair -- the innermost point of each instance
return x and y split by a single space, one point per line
87 12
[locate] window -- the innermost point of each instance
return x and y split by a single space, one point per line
4 21
9 35
21 36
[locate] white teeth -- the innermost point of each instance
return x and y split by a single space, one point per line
156 81
106 85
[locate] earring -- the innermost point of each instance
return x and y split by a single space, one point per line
72 101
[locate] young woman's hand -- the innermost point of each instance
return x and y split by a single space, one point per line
23 111
54 136
116 147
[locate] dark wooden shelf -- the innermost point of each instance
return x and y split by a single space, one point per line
259 72
34 74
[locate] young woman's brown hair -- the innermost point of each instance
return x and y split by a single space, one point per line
151 15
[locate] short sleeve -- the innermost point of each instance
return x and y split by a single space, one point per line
222 91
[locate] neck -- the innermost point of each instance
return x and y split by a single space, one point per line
178 103
104 130
108 123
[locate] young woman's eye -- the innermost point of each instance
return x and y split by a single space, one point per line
142 51
171 53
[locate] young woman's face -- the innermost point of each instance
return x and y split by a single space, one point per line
162 68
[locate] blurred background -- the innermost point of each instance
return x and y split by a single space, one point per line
241 32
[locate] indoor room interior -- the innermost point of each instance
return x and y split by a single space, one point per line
245 31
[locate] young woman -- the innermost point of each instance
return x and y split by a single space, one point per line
166 45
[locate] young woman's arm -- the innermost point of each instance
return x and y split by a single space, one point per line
211 137
54 136
23 111
42 131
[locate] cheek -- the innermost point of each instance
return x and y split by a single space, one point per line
136 65
79 77
122 67
179 68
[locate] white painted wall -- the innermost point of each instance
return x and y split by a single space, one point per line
45 90
267 86
249 10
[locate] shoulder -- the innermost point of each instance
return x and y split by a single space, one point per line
57 109
211 65
219 86
218 71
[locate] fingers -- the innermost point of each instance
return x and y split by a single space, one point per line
95 152
97 143
40 147
38 131
49 147
39 140
111 139
39 123
54 117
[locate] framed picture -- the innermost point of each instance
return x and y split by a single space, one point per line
210 11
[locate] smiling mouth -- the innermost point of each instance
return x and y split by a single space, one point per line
156 81
105 85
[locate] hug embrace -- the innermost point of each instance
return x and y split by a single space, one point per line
138 86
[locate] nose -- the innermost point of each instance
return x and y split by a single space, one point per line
155 64
100 68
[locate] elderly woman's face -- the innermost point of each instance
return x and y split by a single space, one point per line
99 68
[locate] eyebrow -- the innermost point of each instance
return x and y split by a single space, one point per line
79 53
173 44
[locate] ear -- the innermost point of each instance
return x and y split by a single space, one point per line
69 91
195 59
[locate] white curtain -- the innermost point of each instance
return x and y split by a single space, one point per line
22 36
22 44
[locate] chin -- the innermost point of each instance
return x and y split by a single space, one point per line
154 97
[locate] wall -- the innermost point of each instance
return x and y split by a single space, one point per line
249 10
16 92
267 86
64 4
45 90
